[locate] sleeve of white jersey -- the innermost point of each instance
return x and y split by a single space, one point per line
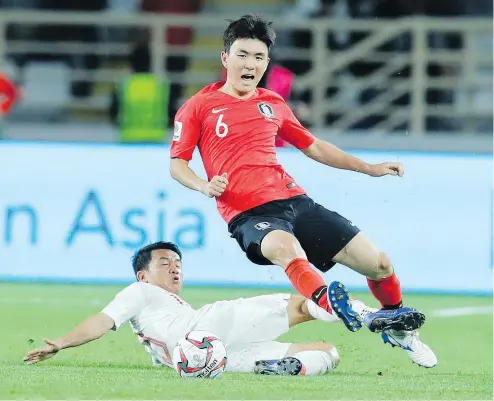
127 303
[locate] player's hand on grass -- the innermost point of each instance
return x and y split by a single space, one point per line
216 186
388 168
42 353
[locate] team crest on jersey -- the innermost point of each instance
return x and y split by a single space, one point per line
265 109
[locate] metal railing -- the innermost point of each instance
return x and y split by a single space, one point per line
402 92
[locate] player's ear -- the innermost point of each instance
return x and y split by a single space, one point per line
141 276
224 57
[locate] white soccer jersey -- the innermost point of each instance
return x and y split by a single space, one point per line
158 317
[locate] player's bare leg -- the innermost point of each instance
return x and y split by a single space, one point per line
302 310
283 249
363 256
304 359
398 324
297 311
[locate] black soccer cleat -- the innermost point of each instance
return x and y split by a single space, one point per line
288 366
339 300
401 319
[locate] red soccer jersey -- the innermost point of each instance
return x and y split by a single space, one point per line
237 137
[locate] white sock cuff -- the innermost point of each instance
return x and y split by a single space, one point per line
318 362
319 313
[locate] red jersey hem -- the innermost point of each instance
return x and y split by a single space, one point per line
230 219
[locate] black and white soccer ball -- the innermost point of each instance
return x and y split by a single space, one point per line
200 354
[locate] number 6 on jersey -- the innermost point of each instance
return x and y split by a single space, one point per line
221 127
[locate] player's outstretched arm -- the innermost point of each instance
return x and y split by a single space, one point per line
91 329
180 171
328 154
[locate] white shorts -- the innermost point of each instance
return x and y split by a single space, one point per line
248 328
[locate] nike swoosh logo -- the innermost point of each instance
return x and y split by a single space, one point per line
214 111
320 292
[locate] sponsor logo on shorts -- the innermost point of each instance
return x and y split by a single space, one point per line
262 226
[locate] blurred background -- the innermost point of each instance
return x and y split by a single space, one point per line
385 79
387 67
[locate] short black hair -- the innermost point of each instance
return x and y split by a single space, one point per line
249 27
142 257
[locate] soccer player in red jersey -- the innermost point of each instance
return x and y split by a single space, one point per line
234 124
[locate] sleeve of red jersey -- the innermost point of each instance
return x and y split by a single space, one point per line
187 129
293 132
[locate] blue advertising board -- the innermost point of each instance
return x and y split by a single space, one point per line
78 212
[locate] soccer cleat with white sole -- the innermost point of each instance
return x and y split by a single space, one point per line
288 366
409 341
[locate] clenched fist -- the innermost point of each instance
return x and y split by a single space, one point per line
379 170
216 186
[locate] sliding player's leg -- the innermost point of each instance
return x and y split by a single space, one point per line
256 321
256 351
250 320
304 359
301 310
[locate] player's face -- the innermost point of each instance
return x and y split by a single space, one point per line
165 271
246 63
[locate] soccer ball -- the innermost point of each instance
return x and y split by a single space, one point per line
200 354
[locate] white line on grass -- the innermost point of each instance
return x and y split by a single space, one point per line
465 311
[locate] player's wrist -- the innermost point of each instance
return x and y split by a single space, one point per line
59 345
202 186
365 168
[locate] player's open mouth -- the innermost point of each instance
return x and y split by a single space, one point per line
247 77
176 279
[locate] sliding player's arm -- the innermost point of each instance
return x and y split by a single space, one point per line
120 310
185 138
326 153
91 329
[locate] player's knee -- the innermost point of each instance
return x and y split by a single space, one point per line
281 248
297 310
384 267
333 356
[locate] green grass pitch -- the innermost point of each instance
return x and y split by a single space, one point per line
117 367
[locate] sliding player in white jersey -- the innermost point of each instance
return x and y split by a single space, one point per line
248 327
